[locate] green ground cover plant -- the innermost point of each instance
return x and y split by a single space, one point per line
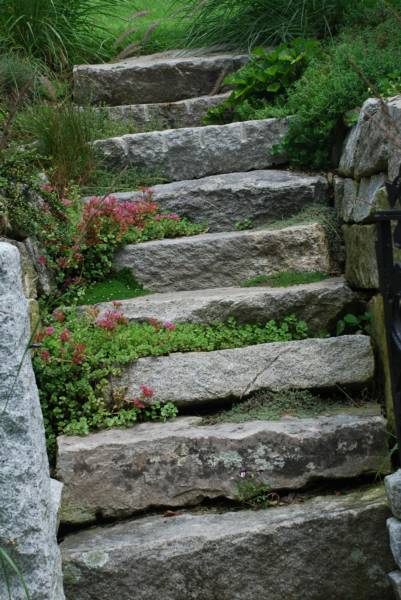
273 406
285 279
77 354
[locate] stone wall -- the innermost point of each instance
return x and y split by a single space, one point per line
29 500
371 156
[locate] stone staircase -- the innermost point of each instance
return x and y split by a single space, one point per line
155 504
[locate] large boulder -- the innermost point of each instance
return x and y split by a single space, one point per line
181 463
27 505
330 548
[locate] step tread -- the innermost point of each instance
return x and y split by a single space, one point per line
195 152
180 463
319 304
166 115
227 199
225 259
162 77
195 378
271 554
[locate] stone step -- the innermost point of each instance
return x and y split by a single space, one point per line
224 201
329 547
225 259
163 77
165 115
319 304
181 463
195 378
195 152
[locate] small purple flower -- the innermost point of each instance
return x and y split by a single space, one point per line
169 325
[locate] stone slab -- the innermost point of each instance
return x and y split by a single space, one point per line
331 548
360 201
393 489
394 530
163 77
225 259
188 379
115 473
224 201
319 304
165 115
27 515
361 270
395 578
195 152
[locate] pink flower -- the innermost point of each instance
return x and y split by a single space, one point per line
42 260
147 391
66 202
59 316
169 325
45 356
46 187
138 404
65 335
49 330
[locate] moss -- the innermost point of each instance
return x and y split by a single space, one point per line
285 279
119 286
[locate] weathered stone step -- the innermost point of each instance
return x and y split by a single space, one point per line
319 304
194 378
164 77
165 115
195 152
225 259
223 201
330 547
181 463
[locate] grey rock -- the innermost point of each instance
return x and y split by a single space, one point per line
394 529
28 271
361 269
46 280
225 200
319 304
360 201
372 146
395 578
195 152
393 489
164 77
327 548
225 259
26 514
166 115
180 463
203 377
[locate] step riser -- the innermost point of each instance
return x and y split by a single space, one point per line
225 260
191 153
225 201
171 115
158 78
320 305
181 463
195 378
328 548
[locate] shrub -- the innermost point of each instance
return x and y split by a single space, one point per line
57 32
331 86
246 23
264 80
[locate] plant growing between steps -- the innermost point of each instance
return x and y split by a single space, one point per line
78 354
285 279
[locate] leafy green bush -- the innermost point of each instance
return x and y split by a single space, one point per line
246 23
57 32
78 355
331 86
264 80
